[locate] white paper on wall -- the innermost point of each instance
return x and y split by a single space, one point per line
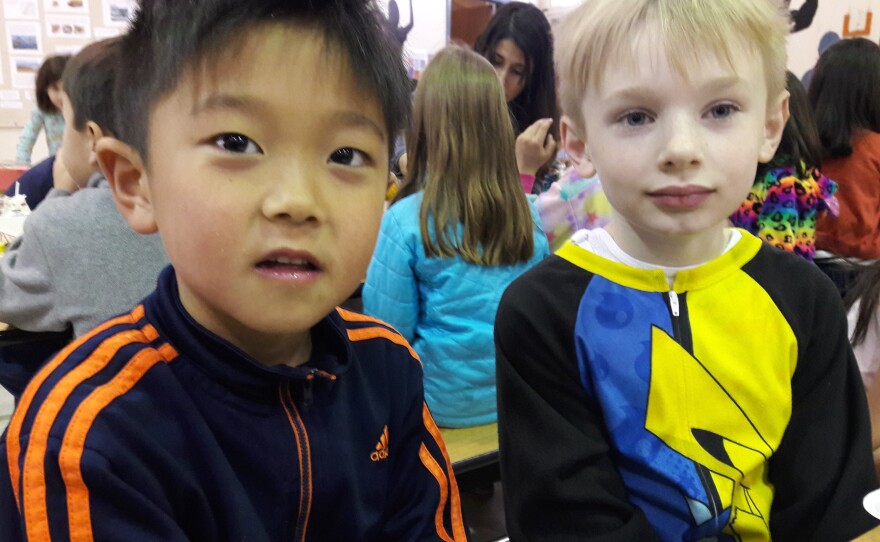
66 6
24 38
118 12
20 9
24 71
68 26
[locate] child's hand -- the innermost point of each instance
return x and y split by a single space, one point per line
535 147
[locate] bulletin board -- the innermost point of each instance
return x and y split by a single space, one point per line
31 30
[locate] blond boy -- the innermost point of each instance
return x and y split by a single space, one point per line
667 377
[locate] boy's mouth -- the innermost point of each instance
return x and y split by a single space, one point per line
289 265
680 197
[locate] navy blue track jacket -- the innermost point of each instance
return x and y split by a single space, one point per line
152 428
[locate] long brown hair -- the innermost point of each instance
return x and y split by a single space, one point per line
867 292
461 150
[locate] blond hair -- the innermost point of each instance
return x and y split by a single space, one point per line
461 149
689 29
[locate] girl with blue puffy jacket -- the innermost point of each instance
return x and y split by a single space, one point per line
447 252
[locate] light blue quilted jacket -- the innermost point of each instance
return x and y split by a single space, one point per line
446 308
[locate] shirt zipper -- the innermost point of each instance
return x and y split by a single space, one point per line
305 460
675 310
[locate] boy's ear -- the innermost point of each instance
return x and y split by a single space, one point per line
777 117
576 148
95 133
124 169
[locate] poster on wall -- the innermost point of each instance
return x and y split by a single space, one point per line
119 12
20 9
24 38
67 6
68 26
24 71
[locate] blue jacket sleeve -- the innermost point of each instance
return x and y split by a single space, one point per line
28 139
391 289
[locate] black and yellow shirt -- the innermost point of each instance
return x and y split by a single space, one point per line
728 407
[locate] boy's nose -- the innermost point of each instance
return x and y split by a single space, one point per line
292 197
683 147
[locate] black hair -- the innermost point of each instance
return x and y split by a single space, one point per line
49 74
800 145
89 80
844 93
867 292
529 29
167 37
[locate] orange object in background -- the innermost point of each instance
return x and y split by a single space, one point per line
9 174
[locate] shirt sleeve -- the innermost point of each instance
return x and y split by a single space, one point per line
28 139
823 466
425 500
556 462
92 502
29 298
391 291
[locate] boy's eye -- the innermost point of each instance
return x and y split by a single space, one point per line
237 143
722 111
347 156
635 118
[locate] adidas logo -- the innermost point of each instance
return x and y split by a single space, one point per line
381 452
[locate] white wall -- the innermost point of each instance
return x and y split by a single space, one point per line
431 24
830 17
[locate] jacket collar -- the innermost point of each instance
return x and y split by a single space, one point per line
654 280
229 366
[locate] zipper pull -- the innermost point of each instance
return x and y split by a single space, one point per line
673 302
308 398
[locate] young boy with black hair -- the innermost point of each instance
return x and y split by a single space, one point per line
236 402
667 377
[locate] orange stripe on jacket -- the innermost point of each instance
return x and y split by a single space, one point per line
435 469
33 496
304 476
367 333
458 531
70 458
13 447
350 316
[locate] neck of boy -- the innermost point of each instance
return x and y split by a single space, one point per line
686 249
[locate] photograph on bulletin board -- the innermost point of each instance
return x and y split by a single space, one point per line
119 12
20 9
24 38
67 6
24 71
68 26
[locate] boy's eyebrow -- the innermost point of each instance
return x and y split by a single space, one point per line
351 119
226 101
713 85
